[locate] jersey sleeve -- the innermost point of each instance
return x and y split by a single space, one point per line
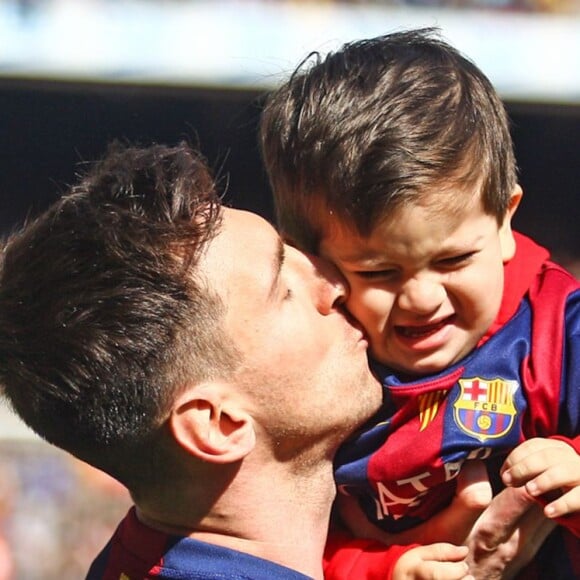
347 557
570 419
552 371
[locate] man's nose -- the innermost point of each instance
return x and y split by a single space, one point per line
421 295
331 288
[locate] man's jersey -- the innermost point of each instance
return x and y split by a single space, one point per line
137 552
522 381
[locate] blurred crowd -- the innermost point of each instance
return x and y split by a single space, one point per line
512 5
56 513
509 5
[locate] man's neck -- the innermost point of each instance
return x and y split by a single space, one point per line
275 516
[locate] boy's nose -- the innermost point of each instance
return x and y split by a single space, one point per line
421 296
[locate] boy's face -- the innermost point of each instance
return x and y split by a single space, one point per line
426 284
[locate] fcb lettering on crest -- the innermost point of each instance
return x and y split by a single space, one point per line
485 408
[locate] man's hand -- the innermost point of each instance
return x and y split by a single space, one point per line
506 536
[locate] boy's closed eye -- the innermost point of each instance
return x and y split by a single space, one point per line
456 261
389 274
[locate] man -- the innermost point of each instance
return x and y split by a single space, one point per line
161 338
185 350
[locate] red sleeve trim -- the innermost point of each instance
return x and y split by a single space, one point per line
346 557
575 442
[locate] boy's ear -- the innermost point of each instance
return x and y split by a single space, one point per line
506 236
210 426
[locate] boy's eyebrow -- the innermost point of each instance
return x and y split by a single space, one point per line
278 262
363 255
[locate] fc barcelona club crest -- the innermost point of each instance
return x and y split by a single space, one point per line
485 408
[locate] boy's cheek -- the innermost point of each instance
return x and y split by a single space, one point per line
370 307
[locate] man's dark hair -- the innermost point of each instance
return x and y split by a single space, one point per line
103 317
381 123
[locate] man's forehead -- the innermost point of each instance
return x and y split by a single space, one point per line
245 251
243 227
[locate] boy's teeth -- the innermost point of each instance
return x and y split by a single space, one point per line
413 332
417 331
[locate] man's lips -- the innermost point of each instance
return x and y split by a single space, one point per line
356 327
423 330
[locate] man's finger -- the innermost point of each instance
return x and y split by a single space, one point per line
499 521
507 536
533 530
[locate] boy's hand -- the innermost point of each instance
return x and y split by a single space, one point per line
546 466
433 562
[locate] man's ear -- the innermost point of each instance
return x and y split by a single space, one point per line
212 427
506 235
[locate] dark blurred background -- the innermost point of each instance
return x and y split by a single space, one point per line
48 129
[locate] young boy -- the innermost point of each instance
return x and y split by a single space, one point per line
393 158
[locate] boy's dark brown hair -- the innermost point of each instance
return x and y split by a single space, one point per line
381 123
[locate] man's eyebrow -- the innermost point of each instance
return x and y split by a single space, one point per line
279 257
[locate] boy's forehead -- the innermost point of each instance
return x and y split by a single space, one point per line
332 225
445 204
341 239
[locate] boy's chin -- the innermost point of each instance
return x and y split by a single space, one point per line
419 367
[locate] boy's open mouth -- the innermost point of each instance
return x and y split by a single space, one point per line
424 329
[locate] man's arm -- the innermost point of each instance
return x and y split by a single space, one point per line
507 535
